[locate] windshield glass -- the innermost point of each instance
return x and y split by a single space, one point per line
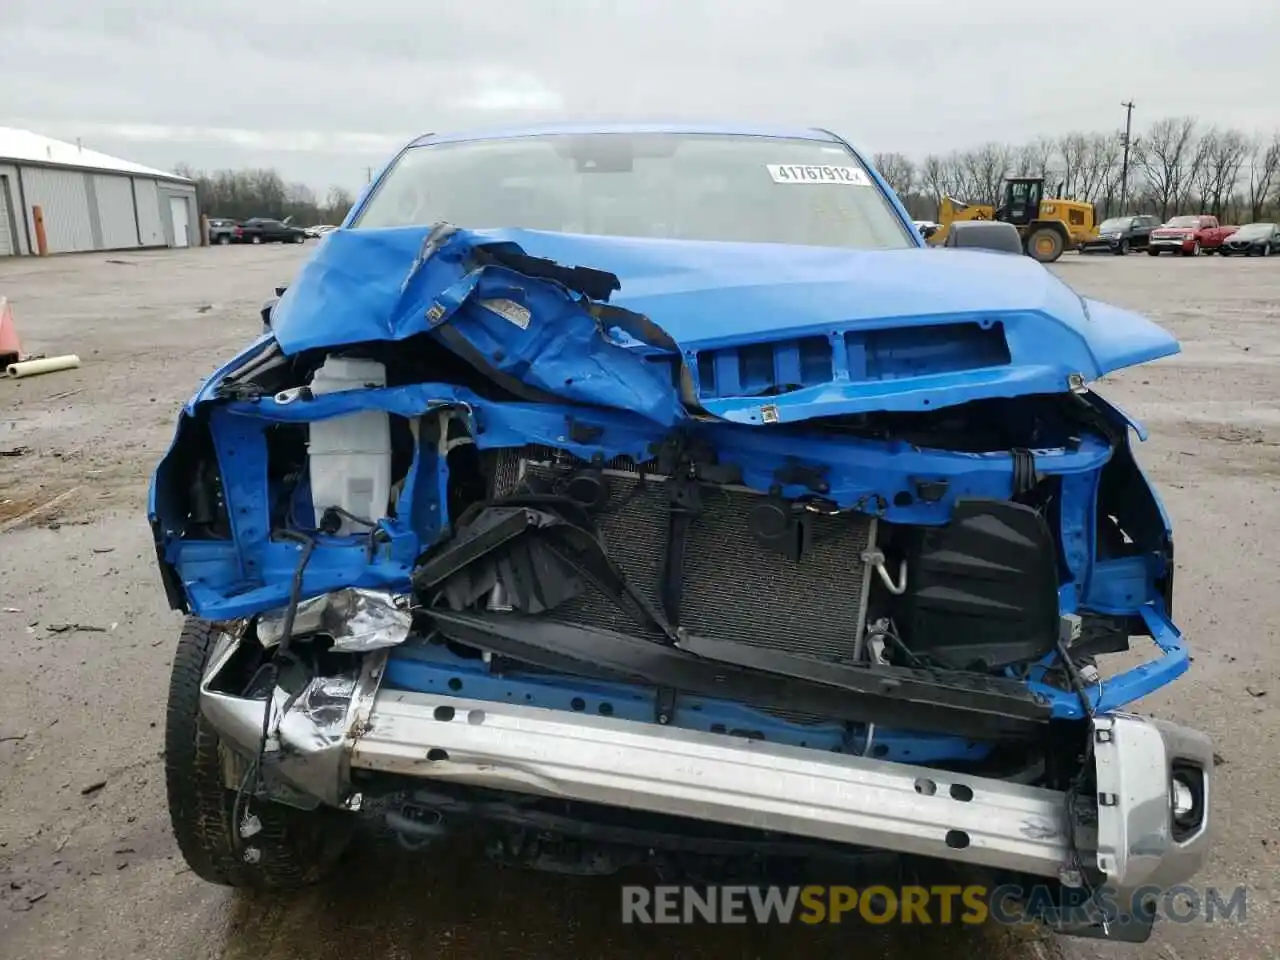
1255 230
672 186
1115 223
1184 222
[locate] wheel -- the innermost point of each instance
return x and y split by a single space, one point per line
256 239
1194 251
1124 249
1266 251
295 847
223 240
1152 252
299 238
1045 244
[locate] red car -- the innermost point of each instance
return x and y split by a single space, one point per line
1189 236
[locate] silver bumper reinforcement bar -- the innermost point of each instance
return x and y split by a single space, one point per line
843 799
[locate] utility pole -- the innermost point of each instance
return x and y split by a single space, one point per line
1124 168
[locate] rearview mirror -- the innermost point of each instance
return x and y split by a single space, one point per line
985 235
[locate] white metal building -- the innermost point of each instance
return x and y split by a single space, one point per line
89 201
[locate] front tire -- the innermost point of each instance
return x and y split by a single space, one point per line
1152 252
294 847
256 240
1123 251
1045 245
1194 251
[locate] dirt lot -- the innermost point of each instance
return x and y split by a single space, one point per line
87 866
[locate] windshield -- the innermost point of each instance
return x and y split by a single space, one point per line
1255 230
1184 222
671 186
1115 223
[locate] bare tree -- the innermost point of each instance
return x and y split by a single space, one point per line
985 170
933 177
898 170
1264 175
1106 153
1035 159
1222 155
337 205
1097 155
1163 156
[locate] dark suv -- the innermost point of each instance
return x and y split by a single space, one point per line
263 230
1119 235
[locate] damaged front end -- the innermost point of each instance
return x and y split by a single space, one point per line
816 566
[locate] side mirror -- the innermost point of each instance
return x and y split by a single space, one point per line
985 235
929 231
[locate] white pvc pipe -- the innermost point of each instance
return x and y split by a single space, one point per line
32 368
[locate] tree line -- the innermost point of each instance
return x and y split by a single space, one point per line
1177 166
241 194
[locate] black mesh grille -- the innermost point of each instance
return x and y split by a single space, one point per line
734 589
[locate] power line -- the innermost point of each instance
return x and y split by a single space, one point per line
1124 168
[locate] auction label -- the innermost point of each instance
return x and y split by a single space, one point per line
794 173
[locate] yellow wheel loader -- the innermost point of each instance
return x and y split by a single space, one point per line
1048 225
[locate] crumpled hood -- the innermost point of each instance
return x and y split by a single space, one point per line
896 329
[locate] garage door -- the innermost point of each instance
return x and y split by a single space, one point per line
150 226
8 245
63 197
115 212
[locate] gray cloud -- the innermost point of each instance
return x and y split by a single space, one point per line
323 89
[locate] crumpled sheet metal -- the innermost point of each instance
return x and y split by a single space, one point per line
317 719
528 323
357 620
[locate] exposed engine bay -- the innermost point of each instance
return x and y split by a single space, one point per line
443 583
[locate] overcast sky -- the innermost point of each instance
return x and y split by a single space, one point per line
322 89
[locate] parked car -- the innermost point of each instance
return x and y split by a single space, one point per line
264 230
319 231
221 230
1253 239
691 512
1189 236
1119 235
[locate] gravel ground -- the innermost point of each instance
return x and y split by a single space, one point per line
87 865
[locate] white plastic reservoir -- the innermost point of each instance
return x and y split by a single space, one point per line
350 456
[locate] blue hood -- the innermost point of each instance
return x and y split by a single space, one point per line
764 332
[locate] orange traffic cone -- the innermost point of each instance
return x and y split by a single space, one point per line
10 349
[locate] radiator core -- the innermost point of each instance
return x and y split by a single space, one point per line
734 587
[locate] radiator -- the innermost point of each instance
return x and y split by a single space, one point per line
734 588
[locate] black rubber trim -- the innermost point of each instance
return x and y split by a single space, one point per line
963 705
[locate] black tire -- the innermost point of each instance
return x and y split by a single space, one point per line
1266 251
1152 252
299 238
296 847
1123 250
256 239
1044 244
